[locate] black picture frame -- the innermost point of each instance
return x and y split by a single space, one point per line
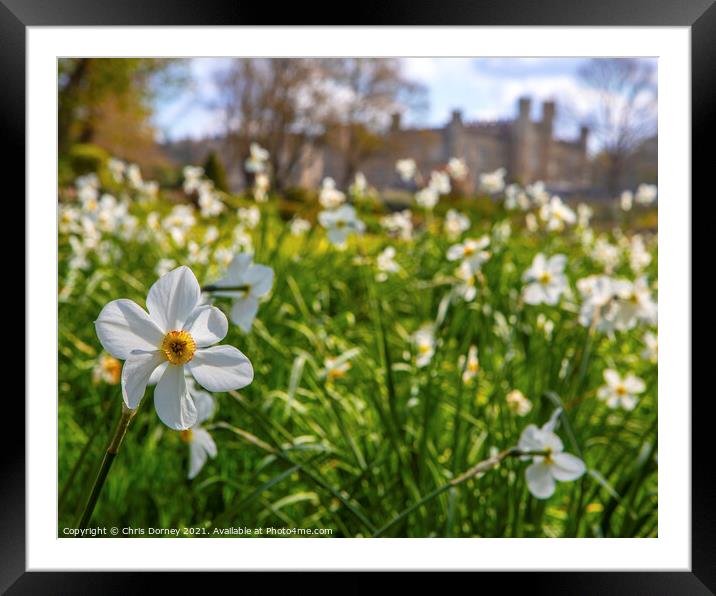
699 15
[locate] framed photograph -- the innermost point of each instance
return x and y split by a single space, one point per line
380 296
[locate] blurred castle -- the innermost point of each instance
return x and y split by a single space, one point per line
527 149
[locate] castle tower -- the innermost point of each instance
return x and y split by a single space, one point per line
544 145
454 137
520 142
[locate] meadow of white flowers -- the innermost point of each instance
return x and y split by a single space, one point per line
459 367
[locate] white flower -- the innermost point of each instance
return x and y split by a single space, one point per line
626 200
117 168
261 186
179 222
651 349
197 254
457 168
211 235
538 193
427 198
406 169
531 222
471 366
620 392
639 256
493 182
164 266
597 292
556 214
176 334
584 215
340 223
134 176
634 304
518 403
257 160
253 282
399 224
335 368
192 178
502 231
385 263
546 280
606 254
249 216
209 202
359 186
201 445
330 197
424 341
299 226
470 250
556 465
467 288
455 224
515 198
646 194
439 182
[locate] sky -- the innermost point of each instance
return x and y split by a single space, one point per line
482 88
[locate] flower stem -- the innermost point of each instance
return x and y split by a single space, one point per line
107 461
215 288
481 467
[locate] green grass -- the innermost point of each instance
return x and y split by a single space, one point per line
296 450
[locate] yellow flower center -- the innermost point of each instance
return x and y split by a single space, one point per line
621 390
548 459
186 435
473 366
424 348
178 347
545 278
468 250
113 368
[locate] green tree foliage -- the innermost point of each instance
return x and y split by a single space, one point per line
214 170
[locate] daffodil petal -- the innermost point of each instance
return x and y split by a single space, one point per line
173 298
566 466
243 312
172 401
540 481
221 368
207 326
136 372
123 326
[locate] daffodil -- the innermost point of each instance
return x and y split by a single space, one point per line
108 370
257 160
427 198
651 347
457 168
545 280
556 214
555 465
406 169
470 366
646 194
330 197
518 403
177 335
340 223
201 444
192 178
398 224
455 224
493 182
471 251
424 341
385 263
245 283
620 391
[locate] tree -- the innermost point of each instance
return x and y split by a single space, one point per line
214 171
108 102
279 103
625 110
372 90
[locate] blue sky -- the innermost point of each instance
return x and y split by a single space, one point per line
483 88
